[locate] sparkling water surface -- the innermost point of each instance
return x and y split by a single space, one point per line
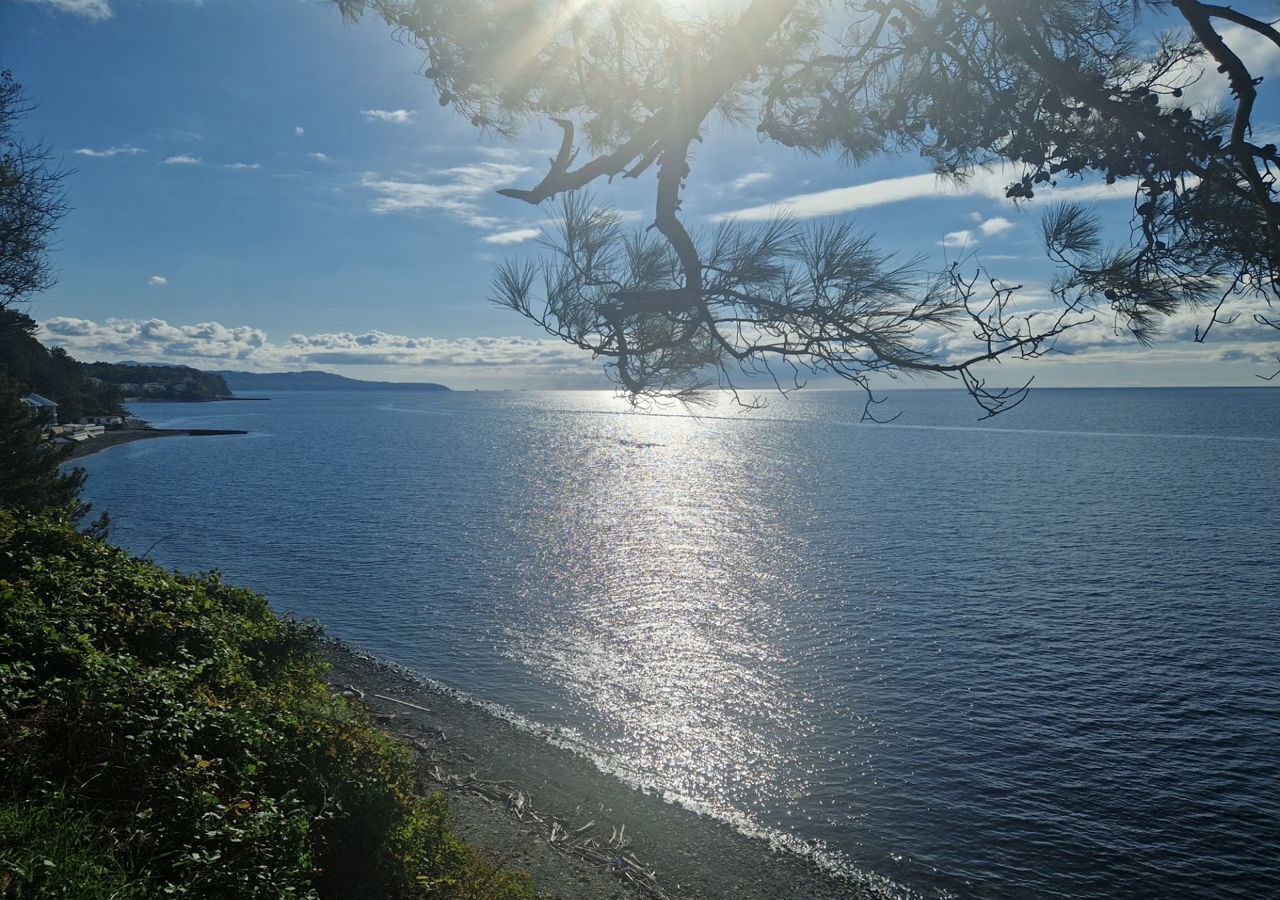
1035 656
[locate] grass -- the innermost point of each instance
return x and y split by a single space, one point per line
47 849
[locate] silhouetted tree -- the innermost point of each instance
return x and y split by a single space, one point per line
1042 90
31 202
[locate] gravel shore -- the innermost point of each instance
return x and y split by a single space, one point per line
129 435
534 806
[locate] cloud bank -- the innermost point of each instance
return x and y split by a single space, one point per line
211 345
510 361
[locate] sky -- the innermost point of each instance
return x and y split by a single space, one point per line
258 185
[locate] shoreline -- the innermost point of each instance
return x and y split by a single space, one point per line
128 436
581 832
132 400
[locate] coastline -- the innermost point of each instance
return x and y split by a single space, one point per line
231 399
128 436
554 813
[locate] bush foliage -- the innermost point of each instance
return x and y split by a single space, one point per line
170 736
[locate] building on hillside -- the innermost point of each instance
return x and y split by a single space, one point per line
66 430
45 410
108 421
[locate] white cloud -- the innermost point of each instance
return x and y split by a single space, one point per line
1104 338
213 345
515 236
986 183
750 178
157 280
508 360
126 150
996 225
458 192
505 153
1084 193
398 116
379 348
155 339
183 159
1204 87
299 130
320 156
840 200
960 238
90 9
243 166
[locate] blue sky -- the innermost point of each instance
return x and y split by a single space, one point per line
258 185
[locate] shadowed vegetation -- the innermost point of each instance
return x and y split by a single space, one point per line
171 736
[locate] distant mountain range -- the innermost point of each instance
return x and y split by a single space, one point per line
315 381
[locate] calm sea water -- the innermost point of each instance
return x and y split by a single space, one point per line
1038 656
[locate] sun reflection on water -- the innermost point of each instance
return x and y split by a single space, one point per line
657 609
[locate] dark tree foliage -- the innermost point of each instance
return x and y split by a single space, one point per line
52 371
1047 90
30 477
159 382
31 202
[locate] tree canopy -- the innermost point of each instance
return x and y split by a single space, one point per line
1044 90
31 202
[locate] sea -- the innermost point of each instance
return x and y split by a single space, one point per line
1032 656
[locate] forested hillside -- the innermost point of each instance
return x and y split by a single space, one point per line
316 381
87 389
160 382
52 371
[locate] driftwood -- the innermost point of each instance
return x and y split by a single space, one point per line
403 703
611 854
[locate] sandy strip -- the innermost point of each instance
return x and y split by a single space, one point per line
529 804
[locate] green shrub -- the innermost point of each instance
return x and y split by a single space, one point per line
174 735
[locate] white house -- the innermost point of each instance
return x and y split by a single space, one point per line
72 430
45 410
108 421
